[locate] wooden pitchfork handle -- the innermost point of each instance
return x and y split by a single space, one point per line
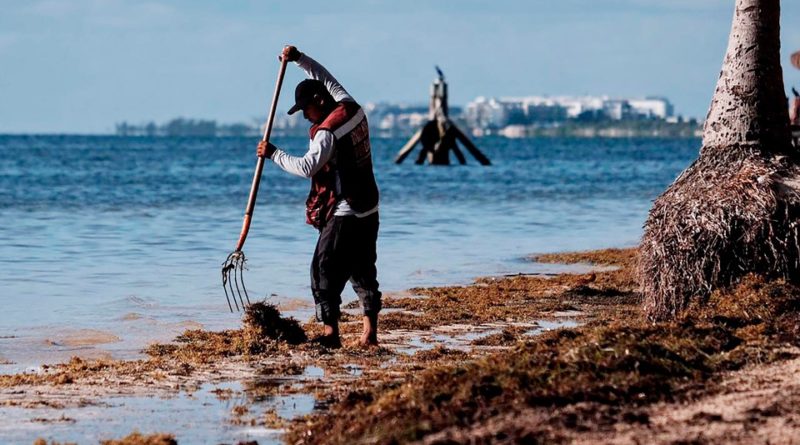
251 202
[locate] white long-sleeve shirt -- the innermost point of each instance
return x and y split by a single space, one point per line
321 148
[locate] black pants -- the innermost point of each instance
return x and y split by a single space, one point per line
346 250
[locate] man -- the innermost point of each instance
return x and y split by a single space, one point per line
343 202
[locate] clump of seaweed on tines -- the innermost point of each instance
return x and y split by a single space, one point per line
263 330
263 320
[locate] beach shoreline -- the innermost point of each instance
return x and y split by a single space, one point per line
261 390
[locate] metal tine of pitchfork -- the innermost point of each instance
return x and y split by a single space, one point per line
244 288
226 277
233 277
240 279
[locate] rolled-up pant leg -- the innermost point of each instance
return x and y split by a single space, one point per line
364 255
329 271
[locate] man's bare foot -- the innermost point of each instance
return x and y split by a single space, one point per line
370 335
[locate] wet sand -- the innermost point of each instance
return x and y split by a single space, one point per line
229 396
226 387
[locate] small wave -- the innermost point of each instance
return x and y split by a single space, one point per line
133 300
130 316
83 337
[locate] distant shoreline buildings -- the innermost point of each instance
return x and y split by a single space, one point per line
530 116
498 113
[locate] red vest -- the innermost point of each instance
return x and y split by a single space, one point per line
348 175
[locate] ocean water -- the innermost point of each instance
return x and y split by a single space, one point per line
109 243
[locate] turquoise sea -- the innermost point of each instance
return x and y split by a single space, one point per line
109 243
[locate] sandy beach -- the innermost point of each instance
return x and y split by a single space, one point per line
564 358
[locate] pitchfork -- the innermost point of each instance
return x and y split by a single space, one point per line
234 265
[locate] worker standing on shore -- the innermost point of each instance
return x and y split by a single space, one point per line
343 202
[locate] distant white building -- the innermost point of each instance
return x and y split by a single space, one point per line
617 109
485 113
388 117
402 120
653 107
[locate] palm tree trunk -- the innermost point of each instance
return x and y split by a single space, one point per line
734 211
748 108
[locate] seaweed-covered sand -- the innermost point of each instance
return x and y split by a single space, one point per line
556 359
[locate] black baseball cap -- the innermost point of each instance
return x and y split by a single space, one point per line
304 93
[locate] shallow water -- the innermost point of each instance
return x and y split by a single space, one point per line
198 417
126 236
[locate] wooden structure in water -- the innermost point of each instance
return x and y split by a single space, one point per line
439 135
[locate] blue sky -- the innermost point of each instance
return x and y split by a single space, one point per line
79 66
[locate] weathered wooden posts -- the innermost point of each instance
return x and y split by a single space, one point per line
438 136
